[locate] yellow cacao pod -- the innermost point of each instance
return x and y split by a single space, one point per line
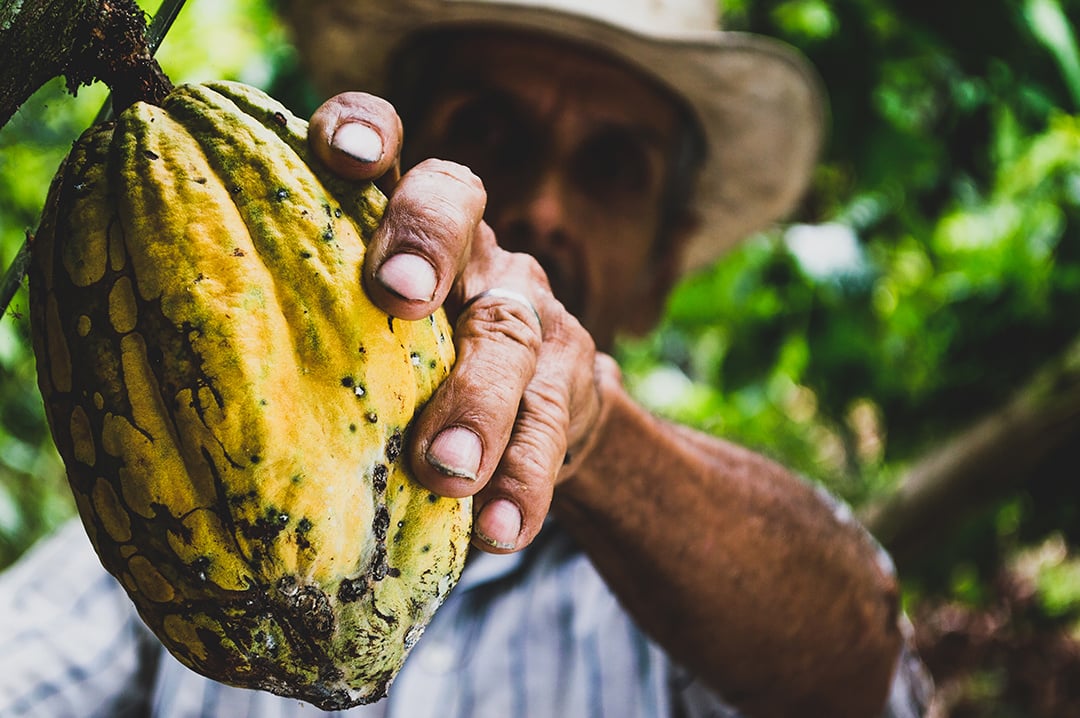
230 406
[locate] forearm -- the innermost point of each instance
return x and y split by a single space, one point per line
739 569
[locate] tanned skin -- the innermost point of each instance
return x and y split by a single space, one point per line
551 184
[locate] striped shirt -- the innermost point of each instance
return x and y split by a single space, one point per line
535 634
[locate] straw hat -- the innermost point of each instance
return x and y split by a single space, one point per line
758 101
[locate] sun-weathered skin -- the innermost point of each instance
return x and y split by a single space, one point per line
231 407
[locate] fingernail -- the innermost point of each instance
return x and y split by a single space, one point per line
499 524
409 276
456 452
358 141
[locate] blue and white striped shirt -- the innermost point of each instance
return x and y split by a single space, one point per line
536 634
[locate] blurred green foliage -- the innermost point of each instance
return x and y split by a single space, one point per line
934 266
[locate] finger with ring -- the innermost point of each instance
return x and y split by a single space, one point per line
509 295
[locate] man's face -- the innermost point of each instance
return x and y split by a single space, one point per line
575 153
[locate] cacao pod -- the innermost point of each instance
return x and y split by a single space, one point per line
229 404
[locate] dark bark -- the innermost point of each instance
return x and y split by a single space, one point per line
81 40
1013 448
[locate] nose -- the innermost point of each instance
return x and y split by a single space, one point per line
534 221
537 220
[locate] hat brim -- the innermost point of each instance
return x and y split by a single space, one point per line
759 103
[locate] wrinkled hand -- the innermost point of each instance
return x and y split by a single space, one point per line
523 391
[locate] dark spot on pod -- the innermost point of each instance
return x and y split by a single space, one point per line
337 212
425 548
432 364
200 180
381 522
348 381
164 519
378 568
237 252
239 499
351 589
328 210
280 119
362 349
387 618
432 498
329 673
236 189
199 566
212 641
303 526
372 417
264 639
378 478
282 193
393 572
390 323
393 446
328 233
304 254
352 428
150 154
401 524
398 536
266 527
287 585
255 458
336 700
313 608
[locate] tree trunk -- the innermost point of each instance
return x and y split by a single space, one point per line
1018 445
81 40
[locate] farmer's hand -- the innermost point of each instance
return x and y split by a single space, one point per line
523 393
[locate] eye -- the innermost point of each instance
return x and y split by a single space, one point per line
484 133
616 163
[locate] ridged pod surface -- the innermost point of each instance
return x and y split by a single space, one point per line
229 404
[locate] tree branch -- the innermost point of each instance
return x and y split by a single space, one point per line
997 456
82 40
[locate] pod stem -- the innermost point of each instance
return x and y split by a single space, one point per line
118 53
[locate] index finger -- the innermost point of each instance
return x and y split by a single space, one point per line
432 221
357 135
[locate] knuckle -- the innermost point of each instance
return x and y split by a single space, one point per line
544 407
358 104
501 322
458 173
527 267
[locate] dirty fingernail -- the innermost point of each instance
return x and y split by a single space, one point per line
499 524
358 141
409 276
456 452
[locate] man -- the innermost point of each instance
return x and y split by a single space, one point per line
589 154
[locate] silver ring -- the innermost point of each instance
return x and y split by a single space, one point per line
508 294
